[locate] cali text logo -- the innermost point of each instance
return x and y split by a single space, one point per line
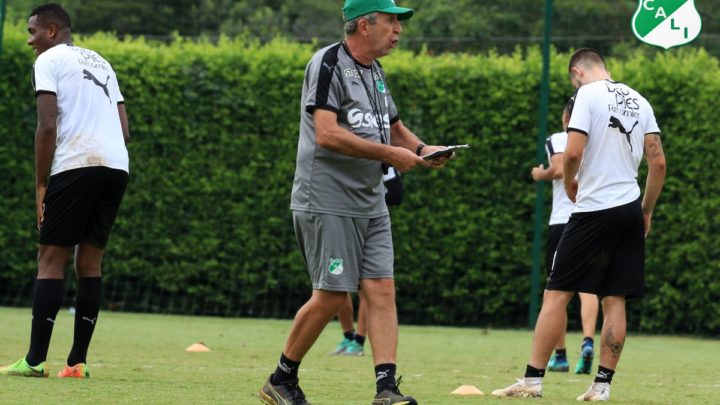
336 266
666 23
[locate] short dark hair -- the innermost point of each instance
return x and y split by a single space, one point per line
586 55
52 13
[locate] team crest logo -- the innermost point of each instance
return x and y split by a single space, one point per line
380 85
666 23
336 266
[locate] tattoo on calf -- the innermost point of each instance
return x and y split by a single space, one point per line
614 345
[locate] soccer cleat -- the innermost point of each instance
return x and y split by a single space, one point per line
342 346
77 371
520 389
392 395
354 349
559 364
282 394
596 392
22 368
584 364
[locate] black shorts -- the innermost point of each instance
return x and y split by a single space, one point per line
81 205
553 238
602 252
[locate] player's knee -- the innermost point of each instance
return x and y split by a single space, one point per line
87 270
381 295
88 266
556 298
332 301
612 304
51 261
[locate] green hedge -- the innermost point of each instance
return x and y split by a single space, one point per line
206 229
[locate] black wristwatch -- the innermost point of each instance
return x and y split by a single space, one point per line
419 148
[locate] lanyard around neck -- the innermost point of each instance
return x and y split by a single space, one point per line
374 96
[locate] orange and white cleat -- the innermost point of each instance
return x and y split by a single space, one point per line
77 371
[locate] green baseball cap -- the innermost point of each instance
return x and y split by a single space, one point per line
356 8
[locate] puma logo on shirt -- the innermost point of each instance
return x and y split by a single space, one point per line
615 123
329 67
90 76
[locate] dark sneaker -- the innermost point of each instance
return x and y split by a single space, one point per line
558 363
354 349
392 395
282 394
342 346
584 364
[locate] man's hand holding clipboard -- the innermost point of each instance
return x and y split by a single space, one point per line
447 152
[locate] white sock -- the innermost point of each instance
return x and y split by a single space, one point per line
530 381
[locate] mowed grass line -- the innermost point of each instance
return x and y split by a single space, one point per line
141 359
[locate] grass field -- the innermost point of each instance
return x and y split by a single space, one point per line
141 359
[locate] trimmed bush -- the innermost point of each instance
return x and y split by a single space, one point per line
205 227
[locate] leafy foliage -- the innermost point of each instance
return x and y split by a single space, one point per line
205 227
438 26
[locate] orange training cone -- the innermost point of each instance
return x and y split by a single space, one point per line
467 390
197 348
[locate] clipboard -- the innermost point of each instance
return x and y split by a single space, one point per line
444 152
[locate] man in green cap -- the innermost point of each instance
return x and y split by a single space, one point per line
350 132
354 9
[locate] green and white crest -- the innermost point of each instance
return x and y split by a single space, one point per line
380 85
336 266
666 23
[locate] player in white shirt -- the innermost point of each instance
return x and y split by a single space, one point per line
602 249
81 171
561 209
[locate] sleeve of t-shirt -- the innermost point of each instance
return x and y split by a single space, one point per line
651 126
116 89
391 108
324 90
581 117
44 75
555 144
548 147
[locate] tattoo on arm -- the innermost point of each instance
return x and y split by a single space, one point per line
654 147
614 345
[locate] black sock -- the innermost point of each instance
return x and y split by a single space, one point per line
360 339
47 299
532 372
349 335
561 353
87 306
286 371
604 375
384 375
587 341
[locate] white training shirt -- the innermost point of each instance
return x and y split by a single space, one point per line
561 205
615 119
88 124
